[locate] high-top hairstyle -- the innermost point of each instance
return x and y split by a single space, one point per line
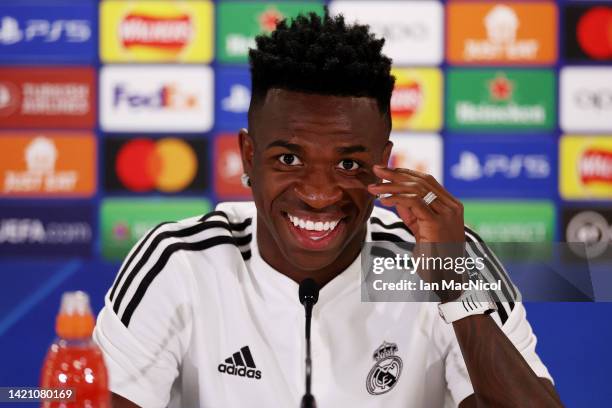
321 55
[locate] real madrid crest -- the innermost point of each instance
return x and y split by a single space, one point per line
386 372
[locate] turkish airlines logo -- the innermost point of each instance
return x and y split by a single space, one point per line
9 98
158 32
596 166
49 97
470 168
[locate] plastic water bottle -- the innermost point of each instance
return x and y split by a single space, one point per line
74 361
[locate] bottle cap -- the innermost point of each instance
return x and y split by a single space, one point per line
75 319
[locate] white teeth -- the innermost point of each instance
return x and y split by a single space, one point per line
311 225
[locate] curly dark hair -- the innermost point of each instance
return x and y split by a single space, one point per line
321 55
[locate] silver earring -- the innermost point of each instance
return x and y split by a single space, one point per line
245 180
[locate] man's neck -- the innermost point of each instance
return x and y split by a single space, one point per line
272 255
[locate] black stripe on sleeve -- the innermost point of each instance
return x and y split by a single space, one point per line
493 266
246 255
161 262
185 232
127 264
386 236
241 226
395 225
500 268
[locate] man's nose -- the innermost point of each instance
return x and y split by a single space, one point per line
318 188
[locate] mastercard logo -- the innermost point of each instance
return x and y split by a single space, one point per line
168 165
594 33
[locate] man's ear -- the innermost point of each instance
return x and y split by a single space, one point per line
247 150
387 153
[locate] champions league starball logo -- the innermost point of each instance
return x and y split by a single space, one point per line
386 372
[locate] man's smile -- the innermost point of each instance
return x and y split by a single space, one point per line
314 231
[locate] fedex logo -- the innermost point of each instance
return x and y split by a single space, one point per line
169 98
487 166
165 97
48 31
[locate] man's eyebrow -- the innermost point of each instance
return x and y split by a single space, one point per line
284 143
352 149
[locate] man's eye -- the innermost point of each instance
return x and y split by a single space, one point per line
289 159
348 165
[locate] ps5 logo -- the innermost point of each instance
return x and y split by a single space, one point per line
470 168
48 31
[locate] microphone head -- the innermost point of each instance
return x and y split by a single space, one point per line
309 291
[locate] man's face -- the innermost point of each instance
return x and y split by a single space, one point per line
310 160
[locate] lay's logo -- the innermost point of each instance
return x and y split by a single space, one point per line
416 99
586 167
596 166
156 31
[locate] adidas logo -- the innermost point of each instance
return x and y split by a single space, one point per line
241 364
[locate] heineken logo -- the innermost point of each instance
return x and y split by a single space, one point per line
239 22
500 88
514 98
269 19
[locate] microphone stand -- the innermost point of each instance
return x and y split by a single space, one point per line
309 295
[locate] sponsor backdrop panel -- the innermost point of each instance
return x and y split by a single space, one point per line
47 164
117 115
41 31
493 166
123 221
413 30
585 167
238 22
501 99
165 165
495 33
48 97
156 31
156 98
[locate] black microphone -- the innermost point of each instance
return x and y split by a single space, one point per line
309 295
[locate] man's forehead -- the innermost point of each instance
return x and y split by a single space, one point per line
330 114
318 102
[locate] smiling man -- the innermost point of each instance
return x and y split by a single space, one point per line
204 312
